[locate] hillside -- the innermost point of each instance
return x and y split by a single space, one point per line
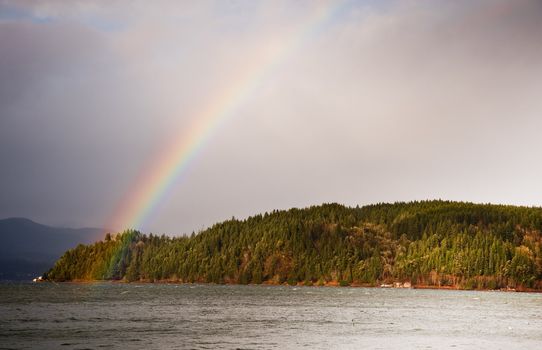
29 248
434 243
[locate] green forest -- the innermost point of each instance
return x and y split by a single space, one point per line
427 243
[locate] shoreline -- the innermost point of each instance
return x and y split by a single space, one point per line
331 284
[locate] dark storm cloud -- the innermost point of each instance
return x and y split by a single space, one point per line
391 101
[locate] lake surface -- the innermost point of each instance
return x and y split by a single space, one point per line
107 315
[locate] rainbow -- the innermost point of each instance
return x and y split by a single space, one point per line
151 187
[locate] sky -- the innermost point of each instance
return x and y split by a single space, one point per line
354 102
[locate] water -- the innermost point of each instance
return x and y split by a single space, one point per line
105 315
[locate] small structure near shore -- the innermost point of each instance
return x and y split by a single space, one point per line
397 285
38 279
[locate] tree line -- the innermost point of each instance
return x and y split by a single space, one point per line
435 243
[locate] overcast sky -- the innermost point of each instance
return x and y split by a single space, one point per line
385 101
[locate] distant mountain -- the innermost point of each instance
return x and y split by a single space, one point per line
29 248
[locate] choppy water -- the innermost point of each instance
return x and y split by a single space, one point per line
105 315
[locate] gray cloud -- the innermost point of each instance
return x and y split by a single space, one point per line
393 101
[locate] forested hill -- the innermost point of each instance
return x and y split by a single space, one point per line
439 243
